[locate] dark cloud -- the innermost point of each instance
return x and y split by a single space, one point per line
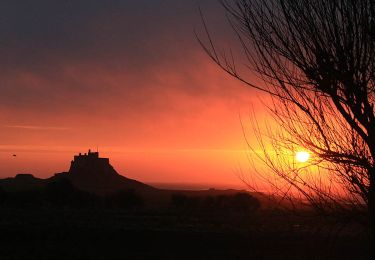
108 64
61 54
35 32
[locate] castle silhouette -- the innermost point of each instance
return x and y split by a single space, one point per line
89 156
91 164
87 171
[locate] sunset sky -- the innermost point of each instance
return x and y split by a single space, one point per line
128 77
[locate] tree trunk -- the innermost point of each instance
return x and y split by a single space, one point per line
371 205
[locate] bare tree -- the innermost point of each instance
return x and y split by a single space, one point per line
316 59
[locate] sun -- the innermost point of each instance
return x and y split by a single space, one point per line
302 156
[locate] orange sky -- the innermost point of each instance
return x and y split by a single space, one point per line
129 78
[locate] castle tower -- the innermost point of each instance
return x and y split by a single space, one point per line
90 164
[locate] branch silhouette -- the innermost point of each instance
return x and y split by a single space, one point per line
316 62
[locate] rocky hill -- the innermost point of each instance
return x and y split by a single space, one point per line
88 172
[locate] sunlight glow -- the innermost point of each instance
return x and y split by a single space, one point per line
302 156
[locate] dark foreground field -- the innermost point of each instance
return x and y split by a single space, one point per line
57 233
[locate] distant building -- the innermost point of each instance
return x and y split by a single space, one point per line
90 161
89 157
87 172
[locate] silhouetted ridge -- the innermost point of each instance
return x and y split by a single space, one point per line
22 181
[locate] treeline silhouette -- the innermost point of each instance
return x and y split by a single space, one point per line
62 193
237 203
